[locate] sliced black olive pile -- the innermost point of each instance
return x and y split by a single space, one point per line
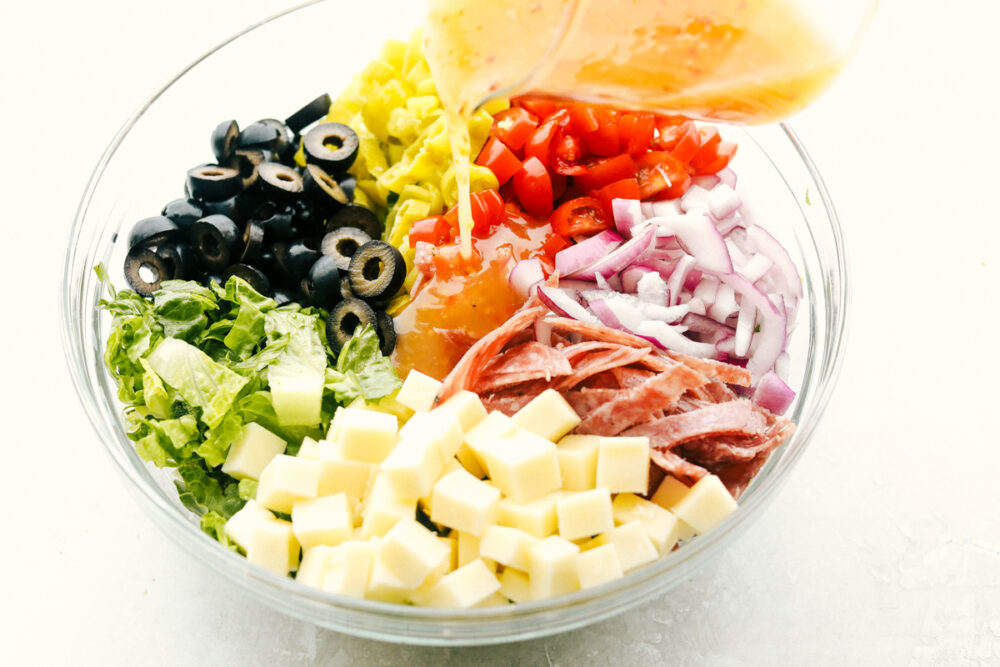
293 233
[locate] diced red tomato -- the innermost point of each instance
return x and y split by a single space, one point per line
627 188
661 175
513 127
534 187
715 159
635 132
554 244
603 141
603 172
558 185
487 213
540 107
582 216
435 230
540 143
682 141
499 159
584 118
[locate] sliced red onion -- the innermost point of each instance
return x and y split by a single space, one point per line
695 199
725 303
570 260
763 242
627 214
672 338
618 259
744 329
656 209
612 283
756 267
525 275
773 394
562 303
709 330
696 306
543 331
632 275
604 313
676 280
727 176
651 288
707 181
577 285
730 223
699 237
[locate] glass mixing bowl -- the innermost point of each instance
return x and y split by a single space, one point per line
272 68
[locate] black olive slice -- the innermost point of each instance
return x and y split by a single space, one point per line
341 244
147 267
298 256
276 222
275 271
377 271
216 240
254 277
332 146
278 181
345 288
224 140
344 320
322 286
281 297
322 189
208 278
309 114
353 215
210 182
268 134
386 332
179 257
233 208
246 161
253 242
184 212
348 184
150 231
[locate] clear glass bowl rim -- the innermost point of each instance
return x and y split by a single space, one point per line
401 623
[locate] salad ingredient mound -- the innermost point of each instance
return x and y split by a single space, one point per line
196 367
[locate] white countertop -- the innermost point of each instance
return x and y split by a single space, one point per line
882 549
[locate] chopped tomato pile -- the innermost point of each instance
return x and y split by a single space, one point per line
567 162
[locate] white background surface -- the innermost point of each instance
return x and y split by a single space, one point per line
882 549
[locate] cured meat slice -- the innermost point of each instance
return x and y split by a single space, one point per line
597 332
528 361
507 403
674 465
732 418
717 370
642 403
586 400
628 377
599 362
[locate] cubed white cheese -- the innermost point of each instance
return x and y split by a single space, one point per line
272 545
413 465
418 391
670 491
252 450
365 435
325 520
584 513
706 504
578 461
465 587
494 426
598 566
536 517
285 480
466 406
441 428
470 461
383 584
507 546
633 545
241 525
412 552
661 526
309 449
552 568
462 502
338 474
296 397
524 466
349 568
382 508
623 464
547 415
315 563
515 585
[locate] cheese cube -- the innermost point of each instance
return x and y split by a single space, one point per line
494 426
241 525
623 464
326 520
382 508
413 466
412 552
598 566
272 546
466 406
524 466
593 543
442 428
470 461
633 545
584 513
314 565
507 546
536 517
467 548
285 480
252 450
349 567
383 584
309 449
365 435
498 599
578 461
341 475
465 587
706 504
297 398
670 491
547 415
515 585
418 391
462 502
552 568
661 526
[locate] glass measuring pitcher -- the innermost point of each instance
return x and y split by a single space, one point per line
743 61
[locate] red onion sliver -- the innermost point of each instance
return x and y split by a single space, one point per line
525 275
618 259
627 214
562 303
773 394
761 241
572 259
699 237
